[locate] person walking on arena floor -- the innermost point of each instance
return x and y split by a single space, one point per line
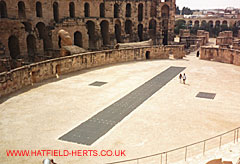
184 78
180 77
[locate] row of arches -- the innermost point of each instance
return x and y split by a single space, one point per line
211 23
55 6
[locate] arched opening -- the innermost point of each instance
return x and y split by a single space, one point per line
152 28
147 55
225 23
116 10
217 23
196 23
39 9
189 23
210 23
71 9
118 31
3 9
21 10
78 39
91 35
128 10
153 11
102 10
128 27
140 32
140 12
13 46
86 10
105 32
204 24
165 16
31 45
165 11
55 12
43 34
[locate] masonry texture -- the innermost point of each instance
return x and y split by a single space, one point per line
23 76
29 28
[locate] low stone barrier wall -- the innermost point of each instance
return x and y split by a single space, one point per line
225 55
27 75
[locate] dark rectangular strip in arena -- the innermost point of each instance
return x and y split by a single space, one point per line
91 130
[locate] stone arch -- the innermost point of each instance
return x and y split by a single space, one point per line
21 9
39 9
87 9
31 45
153 11
225 23
55 12
3 9
102 10
43 34
196 23
105 32
203 23
210 23
140 12
165 11
217 23
116 10
152 28
165 16
13 46
91 34
118 30
140 32
128 10
78 39
128 27
71 9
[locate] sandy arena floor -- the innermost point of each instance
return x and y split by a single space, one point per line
172 117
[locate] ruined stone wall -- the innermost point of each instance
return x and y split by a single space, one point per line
27 75
225 38
42 19
230 56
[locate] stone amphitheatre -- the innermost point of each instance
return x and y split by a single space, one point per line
103 75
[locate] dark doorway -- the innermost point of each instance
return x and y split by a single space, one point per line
91 35
140 12
140 32
118 31
13 46
116 10
38 9
128 10
128 27
3 9
105 32
43 34
152 28
59 42
147 55
21 10
86 10
71 10
78 39
102 10
31 45
55 12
